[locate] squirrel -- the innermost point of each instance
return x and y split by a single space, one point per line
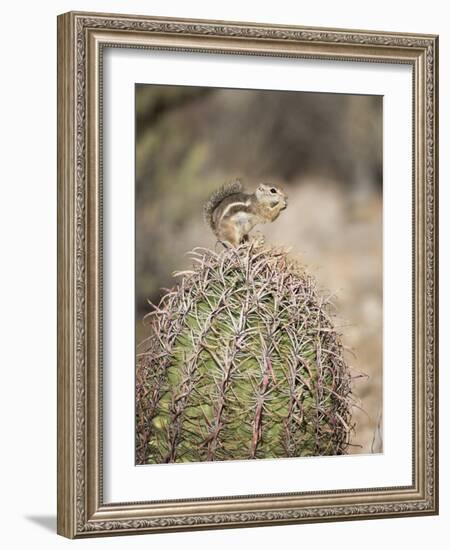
232 214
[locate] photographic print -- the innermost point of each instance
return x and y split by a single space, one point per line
258 291
247 274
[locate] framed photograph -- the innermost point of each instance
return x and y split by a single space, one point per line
247 276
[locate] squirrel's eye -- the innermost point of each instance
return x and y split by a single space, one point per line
273 190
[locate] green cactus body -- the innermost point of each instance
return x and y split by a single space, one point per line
242 362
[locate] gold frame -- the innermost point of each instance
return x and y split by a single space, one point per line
81 38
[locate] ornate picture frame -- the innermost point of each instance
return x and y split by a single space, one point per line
82 39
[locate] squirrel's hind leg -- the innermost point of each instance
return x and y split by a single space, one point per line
228 232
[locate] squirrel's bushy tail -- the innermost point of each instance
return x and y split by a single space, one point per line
217 197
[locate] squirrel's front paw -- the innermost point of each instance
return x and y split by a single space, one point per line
258 239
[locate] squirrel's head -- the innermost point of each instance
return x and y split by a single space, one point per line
271 197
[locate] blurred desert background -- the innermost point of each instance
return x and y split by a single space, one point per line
324 150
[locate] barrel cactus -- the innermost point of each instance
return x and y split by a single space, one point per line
242 361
